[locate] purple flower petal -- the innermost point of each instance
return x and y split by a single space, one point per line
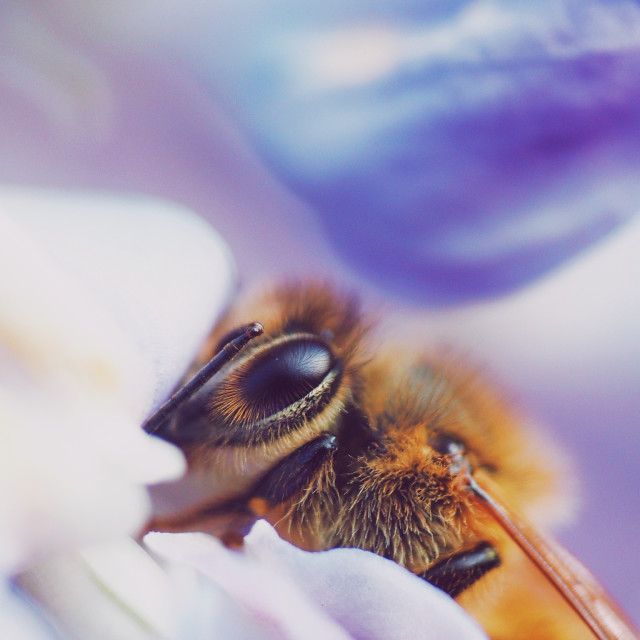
452 151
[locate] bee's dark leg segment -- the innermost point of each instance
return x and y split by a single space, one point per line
458 572
294 472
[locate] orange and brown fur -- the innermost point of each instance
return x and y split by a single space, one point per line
388 486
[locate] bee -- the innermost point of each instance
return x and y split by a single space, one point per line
341 442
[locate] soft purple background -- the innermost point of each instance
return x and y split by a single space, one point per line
439 175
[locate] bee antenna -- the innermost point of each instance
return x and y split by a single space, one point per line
186 391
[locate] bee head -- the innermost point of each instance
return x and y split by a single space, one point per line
291 382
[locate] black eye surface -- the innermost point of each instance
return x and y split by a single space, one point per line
286 373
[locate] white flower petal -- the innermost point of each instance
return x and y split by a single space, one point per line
108 591
18 620
339 593
266 596
371 597
88 342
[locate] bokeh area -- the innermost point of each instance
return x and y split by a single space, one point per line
471 167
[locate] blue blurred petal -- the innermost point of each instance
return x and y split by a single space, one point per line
453 150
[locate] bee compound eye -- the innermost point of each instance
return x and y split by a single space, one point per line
454 450
446 445
286 373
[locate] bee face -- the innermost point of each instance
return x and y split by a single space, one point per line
281 392
372 429
342 443
296 378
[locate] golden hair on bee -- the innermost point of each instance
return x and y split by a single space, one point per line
342 442
299 322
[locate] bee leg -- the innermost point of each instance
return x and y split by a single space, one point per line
459 571
295 471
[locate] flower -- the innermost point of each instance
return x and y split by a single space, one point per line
452 152
76 382
338 594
